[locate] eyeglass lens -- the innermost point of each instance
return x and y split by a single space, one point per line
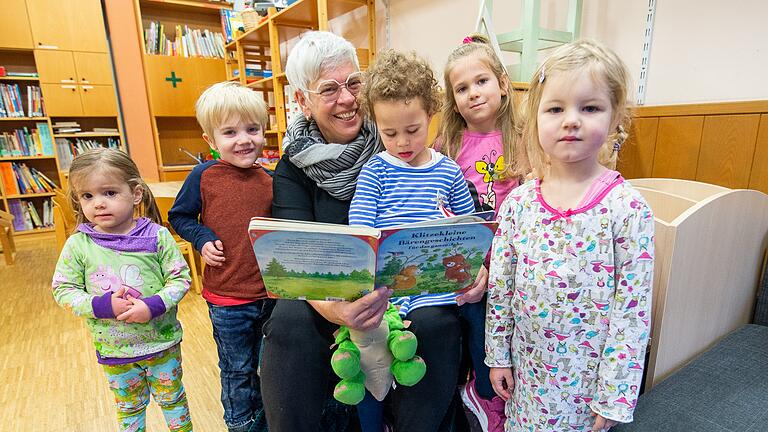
330 89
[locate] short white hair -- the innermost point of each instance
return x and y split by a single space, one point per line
318 52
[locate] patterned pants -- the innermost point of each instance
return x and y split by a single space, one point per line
160 376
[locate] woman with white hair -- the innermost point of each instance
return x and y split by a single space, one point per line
315 181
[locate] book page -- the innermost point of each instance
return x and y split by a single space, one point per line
314 265
262 223
432 259
469 218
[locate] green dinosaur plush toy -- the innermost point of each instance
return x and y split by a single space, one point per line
372 359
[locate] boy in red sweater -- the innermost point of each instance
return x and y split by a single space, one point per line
212 211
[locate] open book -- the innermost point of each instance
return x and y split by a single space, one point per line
317 261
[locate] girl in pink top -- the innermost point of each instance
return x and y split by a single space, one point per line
479 131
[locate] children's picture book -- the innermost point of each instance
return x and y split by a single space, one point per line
317 261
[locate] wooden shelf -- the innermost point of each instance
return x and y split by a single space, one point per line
17 158
35 231
17 78
87 134
264 84
303 14
23 118
32 195
185 5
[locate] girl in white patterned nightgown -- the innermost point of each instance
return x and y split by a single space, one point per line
570 279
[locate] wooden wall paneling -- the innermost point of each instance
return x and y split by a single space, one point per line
15 24
636 155
677 147
727 147
758 178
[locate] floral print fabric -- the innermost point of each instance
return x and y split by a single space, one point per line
569 307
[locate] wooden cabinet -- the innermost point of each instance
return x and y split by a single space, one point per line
98 100
62 100
174 82
67 25
14 23
75 67
92 68
77 83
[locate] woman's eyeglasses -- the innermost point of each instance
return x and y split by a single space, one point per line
330 90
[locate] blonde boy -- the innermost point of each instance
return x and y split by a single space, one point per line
212 211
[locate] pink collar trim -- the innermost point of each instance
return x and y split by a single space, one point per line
566 214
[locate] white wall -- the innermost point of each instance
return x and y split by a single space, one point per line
703 50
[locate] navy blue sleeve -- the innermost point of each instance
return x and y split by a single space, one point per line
184 216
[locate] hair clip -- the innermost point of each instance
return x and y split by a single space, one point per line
616 146
467 40
542 76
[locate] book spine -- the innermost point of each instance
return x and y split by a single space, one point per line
14 206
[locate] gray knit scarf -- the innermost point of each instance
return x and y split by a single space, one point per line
334 167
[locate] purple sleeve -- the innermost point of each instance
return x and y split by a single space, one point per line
102 306
155 304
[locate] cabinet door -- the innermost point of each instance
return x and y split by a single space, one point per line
172 85
209 72
93 68
98 100
62 100
55 66
49 20
86 19
14 23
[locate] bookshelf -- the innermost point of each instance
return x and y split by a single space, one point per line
60 48
21 145
174 82
265 48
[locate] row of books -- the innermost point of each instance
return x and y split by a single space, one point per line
26 216
187 42
26 142
18 178
68 148
61 127
10 101
231 23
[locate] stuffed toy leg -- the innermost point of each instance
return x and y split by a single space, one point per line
374 359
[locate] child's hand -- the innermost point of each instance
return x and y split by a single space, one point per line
119 304
475 294
138 312
502 381
602 423
213 253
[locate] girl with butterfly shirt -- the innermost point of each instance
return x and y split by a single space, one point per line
479 130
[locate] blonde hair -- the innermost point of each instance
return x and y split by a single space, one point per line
452 124
221 101
396 76
119 163
603 64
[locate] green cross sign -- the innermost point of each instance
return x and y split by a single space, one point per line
173 79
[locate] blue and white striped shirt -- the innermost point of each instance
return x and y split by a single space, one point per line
389 193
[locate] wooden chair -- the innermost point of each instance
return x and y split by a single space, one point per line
6 237
164 204
63 218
